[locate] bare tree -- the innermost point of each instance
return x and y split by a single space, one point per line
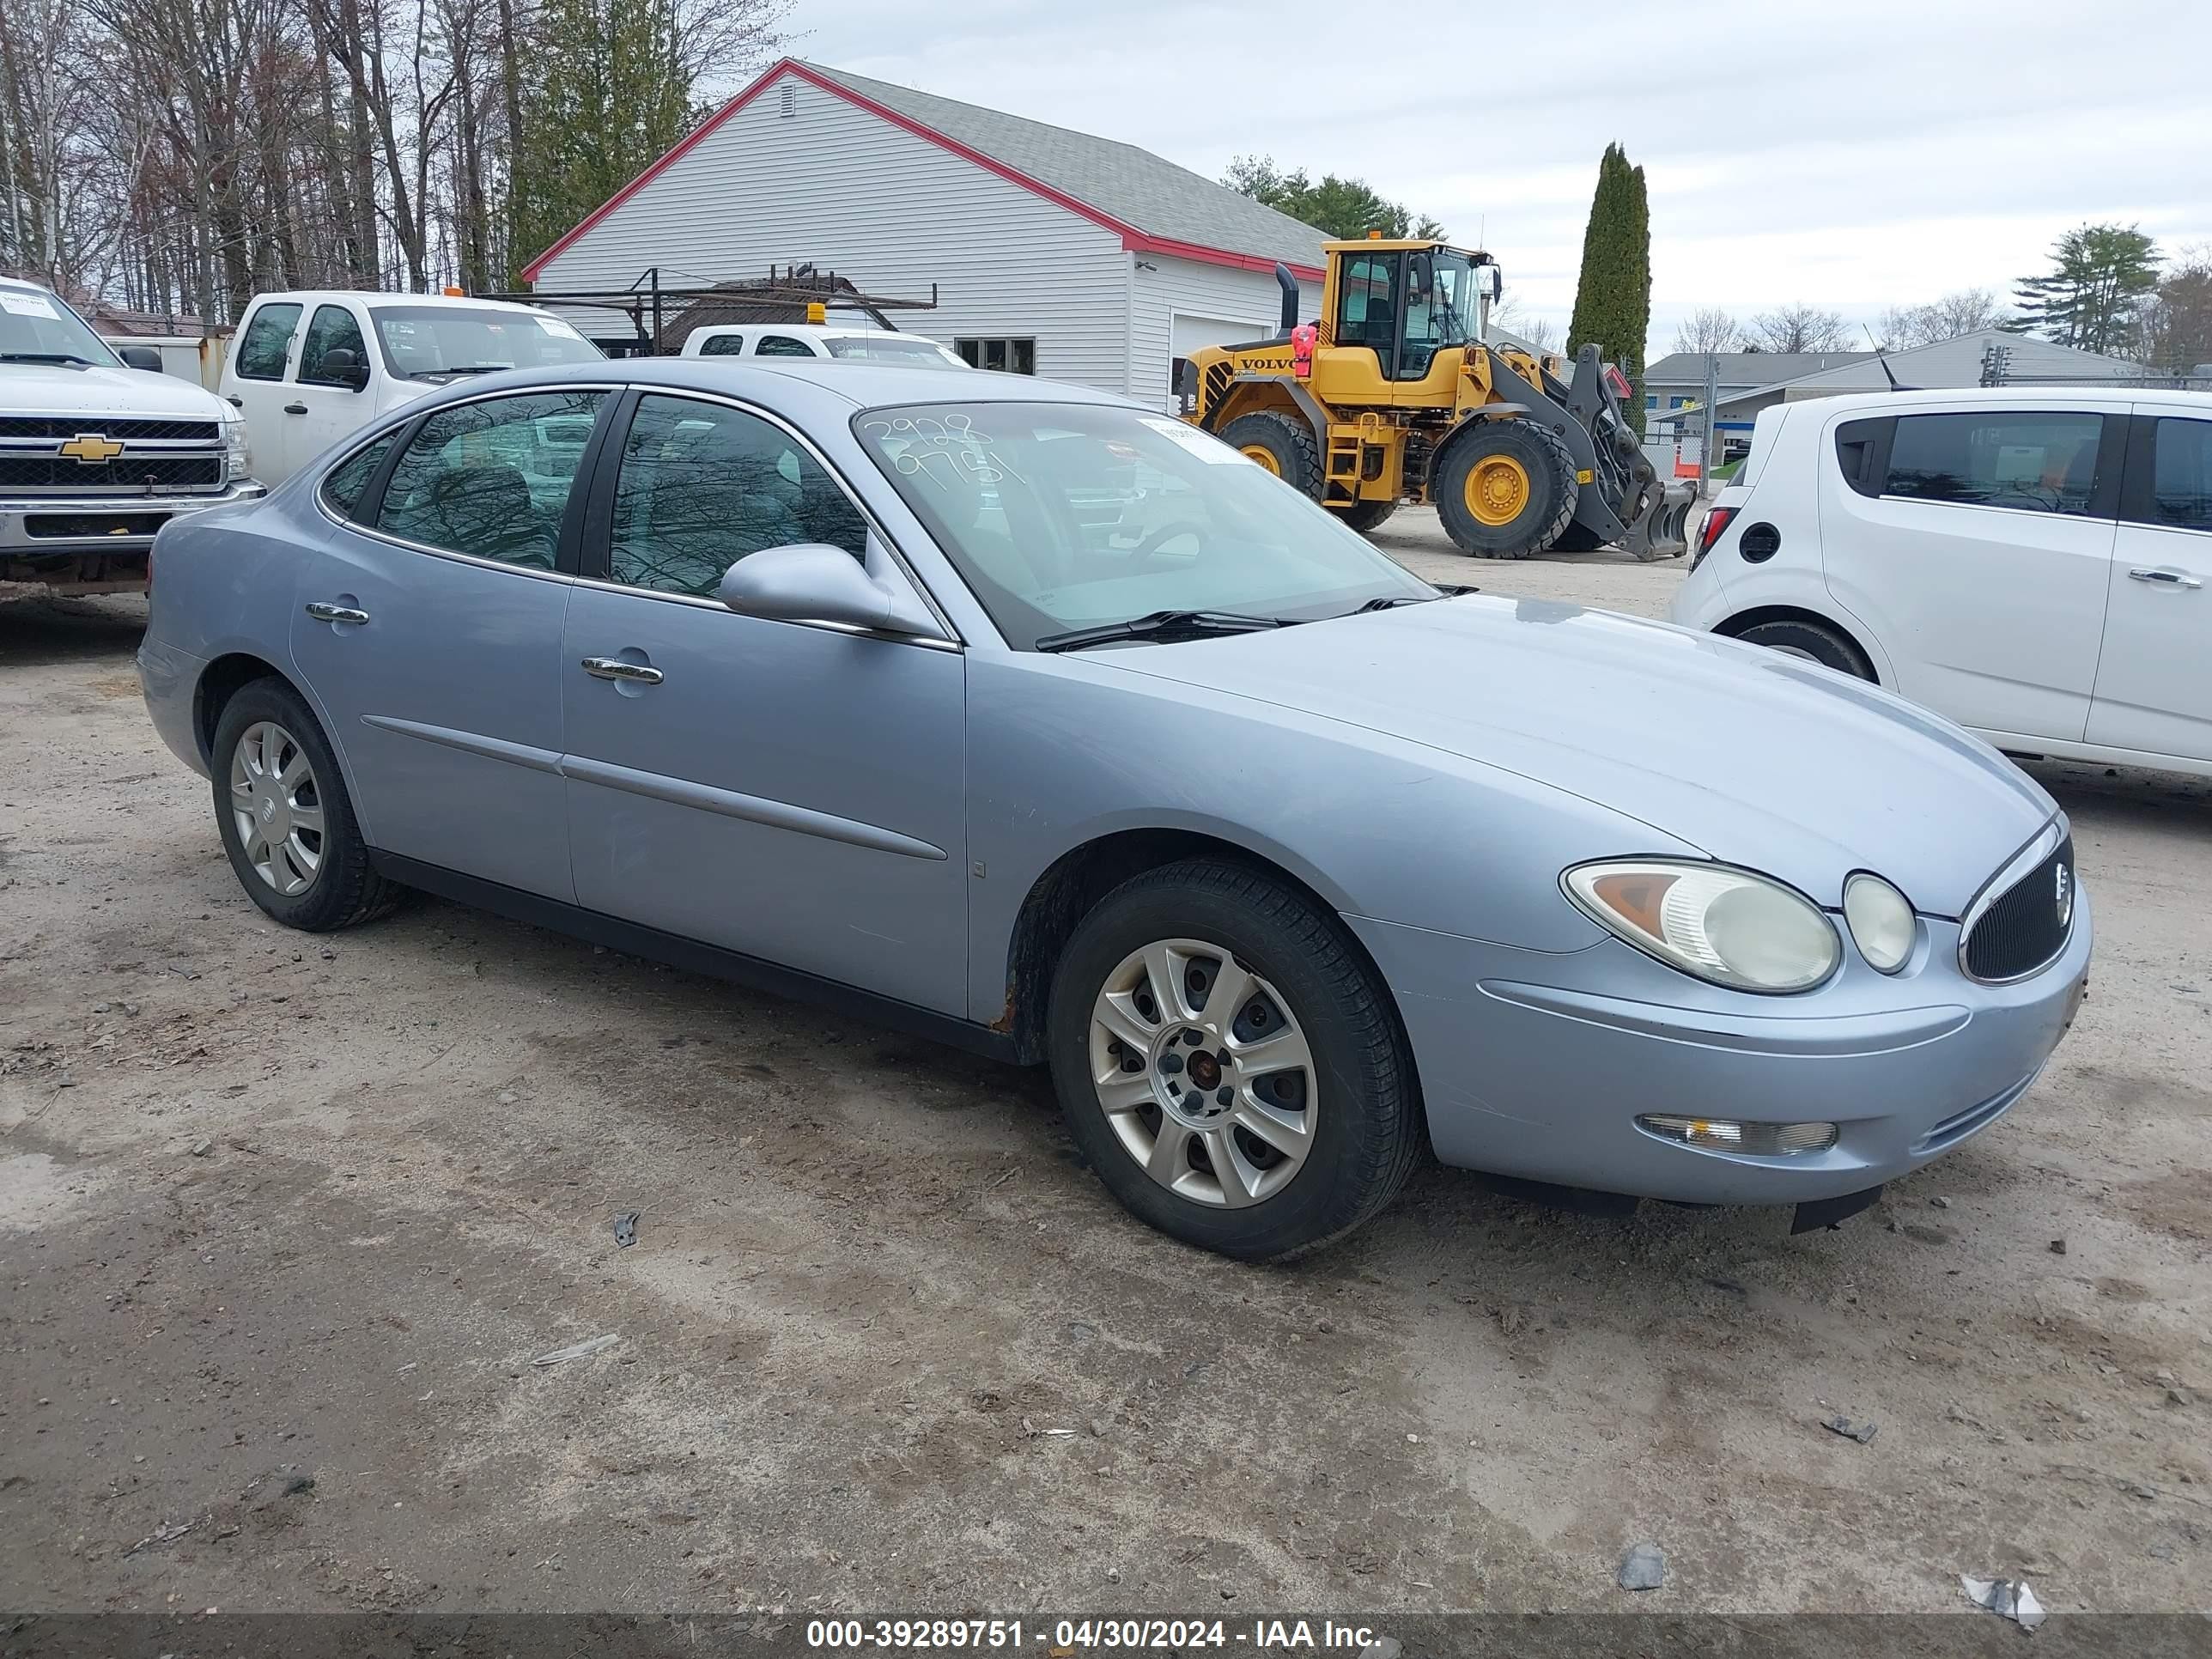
2174 327
1966 312
1514 317
1799 327
1706 329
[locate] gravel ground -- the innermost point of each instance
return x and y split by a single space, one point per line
278 1210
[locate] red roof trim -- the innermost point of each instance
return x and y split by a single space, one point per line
1132 239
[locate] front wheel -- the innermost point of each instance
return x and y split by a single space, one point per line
1229 1064
1505 487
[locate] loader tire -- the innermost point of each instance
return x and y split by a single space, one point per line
1284 445
1578 539
1364 516
1504 488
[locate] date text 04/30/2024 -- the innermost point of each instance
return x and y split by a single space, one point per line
1072 1636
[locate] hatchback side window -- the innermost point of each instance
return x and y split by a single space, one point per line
347 484
333 328
2036 463
2181 475
702 485
267 339
491 479
723 345
781 345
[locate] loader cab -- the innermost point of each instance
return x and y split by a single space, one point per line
1406 300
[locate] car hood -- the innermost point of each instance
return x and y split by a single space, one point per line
60 389
1755 757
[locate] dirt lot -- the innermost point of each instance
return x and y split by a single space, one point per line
274 1208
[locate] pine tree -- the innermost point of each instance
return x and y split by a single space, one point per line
1613 298
610 93
2100 278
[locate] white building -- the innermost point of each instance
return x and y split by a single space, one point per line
1052 253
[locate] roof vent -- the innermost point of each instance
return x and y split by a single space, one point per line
790 106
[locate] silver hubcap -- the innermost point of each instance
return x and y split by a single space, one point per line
277 807
1203 1073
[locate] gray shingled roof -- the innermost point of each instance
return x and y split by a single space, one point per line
1747 368
1137 188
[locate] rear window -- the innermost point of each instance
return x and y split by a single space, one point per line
2036 463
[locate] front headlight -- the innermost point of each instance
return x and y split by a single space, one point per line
241 453
1881 920
1729 927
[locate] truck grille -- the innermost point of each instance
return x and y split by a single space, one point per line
66 426
2028 924
126 472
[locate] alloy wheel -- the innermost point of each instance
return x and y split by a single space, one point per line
277 807
1203 1072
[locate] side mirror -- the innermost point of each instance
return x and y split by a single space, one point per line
144 357
812 581
341 367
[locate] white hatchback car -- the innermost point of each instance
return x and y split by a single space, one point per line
872 345
2035 564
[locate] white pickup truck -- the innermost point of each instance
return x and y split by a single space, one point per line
97 453
307 369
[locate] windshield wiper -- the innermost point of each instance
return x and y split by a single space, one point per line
1157 625
45 357
1386 601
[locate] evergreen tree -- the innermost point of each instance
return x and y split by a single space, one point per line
2101 276
1342 207
1613 298
610 93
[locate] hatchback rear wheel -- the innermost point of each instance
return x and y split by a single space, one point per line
1228 1062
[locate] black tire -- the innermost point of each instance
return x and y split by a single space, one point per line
1804 637
1288 444
344 890
1549 501
1367 1132
1577 538
1364 516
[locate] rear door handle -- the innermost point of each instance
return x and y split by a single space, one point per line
614 668
2169 578
295 409
323 610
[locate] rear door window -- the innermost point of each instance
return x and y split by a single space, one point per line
723 345
266 342
2030 462
781 345
491 479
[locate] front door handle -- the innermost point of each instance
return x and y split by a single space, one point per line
235 401
2167 578
323 610
614 668
295 409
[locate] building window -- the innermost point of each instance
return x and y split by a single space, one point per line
1651 400
1007 356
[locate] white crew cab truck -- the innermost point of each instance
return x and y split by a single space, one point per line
98 451
868 345
307 369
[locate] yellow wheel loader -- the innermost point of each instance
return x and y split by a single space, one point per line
1395 394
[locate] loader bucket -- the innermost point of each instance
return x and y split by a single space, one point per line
1661 530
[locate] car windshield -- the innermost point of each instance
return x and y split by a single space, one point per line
1075 516
36 325
426 342
893 349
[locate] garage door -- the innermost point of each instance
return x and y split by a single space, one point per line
1187 334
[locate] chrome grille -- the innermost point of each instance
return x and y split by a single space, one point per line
127 471
65 427
2027 924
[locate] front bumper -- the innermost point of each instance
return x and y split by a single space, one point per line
61 526
1536 1065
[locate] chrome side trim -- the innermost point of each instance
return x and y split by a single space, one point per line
752 809
2040 846
470 743
922 641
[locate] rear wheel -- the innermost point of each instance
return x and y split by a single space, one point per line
1364 516
1228 1065
1284 446
1504 488
1578 539
1816 641
286 823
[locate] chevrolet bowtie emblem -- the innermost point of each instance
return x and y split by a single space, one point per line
90 448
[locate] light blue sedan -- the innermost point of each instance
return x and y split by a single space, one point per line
1018 715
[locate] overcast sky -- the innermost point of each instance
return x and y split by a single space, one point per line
1849 156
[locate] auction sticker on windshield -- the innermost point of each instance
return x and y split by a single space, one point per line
28 305
1211 451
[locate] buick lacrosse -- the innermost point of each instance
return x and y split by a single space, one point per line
1020 715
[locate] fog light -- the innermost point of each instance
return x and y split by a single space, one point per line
1720 1134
